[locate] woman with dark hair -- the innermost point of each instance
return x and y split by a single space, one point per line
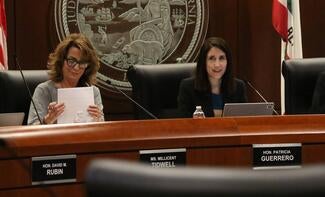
74 63
213 84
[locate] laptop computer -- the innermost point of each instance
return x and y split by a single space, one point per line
248 109
11 119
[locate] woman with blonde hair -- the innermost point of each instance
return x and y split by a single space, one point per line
74 63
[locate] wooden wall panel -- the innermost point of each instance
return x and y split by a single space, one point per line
259 50
32 41
313 27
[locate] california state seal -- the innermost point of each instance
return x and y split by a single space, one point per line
129 32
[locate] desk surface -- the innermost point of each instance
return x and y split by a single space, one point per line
210 141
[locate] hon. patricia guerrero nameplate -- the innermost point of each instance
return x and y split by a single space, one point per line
267 156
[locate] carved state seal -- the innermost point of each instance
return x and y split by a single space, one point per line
129 32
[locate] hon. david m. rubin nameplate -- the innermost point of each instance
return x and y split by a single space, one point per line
164 158
53 169
269 156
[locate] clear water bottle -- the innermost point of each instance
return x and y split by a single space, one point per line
198 113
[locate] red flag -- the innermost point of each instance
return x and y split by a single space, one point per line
3 37
280 18
286 21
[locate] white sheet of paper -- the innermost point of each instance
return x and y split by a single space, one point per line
76 102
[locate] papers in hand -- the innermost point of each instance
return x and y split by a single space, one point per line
76 102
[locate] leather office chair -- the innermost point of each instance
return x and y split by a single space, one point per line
14 94
155 87
300 76
124 179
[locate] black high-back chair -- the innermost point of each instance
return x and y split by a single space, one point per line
14 95
300 76
155 87
123 179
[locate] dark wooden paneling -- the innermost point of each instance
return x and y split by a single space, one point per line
313 27
259 50
32 33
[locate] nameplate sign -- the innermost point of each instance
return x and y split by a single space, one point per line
269 156
164 158
53 169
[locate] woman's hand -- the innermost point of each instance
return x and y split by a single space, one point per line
95 113
54 110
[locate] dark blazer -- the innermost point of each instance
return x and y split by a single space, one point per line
318 101
188 98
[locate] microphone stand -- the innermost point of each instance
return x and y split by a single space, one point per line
29 93
133 101
259 94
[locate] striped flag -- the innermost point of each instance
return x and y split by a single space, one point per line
3 37
286 21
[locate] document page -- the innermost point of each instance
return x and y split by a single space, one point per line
76 102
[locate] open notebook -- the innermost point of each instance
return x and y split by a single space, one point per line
11 119
248 109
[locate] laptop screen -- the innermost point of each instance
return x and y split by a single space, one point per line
11 119
248 109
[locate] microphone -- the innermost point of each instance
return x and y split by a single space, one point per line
28 90
259 94
133 101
